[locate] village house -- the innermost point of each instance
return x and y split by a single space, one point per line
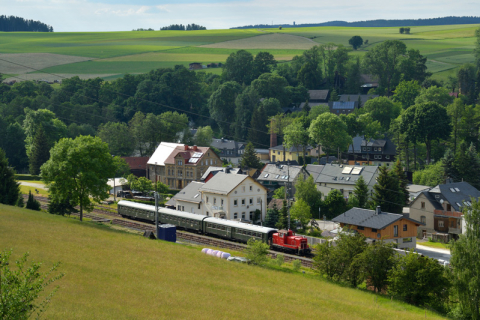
440 209
360 98
176 165
342 107
230 150
377 225
343 178
211 171
374 152
138 165
276 175
188 199
290 154
234 197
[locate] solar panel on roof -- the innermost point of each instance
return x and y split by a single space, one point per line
193 160
456 189
357 170
453 190
197 155
276 177
347 170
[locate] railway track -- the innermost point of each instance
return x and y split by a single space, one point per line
184 235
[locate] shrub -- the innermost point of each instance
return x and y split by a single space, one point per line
280 259
296 265
257 252
32 204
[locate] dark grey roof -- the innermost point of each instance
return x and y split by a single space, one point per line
354 97
274 172
227 144
368 218
388 147
314 170
262 151
190 193
448 192
318 94
333 173
323 160
291 149
220 169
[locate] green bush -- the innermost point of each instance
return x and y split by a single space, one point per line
280 260
32 203
296 265
257 252
26 177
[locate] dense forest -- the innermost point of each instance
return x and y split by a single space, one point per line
376 23
12 23
436 134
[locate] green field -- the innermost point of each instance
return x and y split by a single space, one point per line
447 47
111 274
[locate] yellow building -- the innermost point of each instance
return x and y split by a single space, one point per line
291 154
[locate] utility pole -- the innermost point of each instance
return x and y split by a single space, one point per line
288 184
156 203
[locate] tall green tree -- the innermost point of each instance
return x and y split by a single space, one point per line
9 188
418 280
301 211
334 204
386 191
39 152
245 104
283 217
239 67
203 137
296 135
79 170
257 133
466 269
467 165
406 92
264 62
220 105
384 60
329 131
361 192
399 173
477 48
117 136
456 111
355 42
249 158
376 263
350 247
272 217
413 66
466 81
431 175
382 110
306 190
436 94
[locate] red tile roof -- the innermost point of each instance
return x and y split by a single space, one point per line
136 162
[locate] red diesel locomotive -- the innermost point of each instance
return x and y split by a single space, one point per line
287 241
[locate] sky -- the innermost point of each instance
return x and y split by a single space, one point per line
124 15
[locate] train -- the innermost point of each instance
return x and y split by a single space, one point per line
282 240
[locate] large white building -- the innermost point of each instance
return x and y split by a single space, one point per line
225 195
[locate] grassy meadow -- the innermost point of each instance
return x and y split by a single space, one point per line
112 274
116 53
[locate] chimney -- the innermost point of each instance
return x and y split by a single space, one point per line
378 210
186 147
273 135
195 148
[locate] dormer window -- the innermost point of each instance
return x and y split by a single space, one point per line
379 148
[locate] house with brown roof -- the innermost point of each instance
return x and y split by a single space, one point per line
138 165
177 165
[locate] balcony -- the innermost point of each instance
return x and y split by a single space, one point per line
455 230
450 214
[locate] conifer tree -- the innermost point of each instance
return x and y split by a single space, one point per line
249 158
9 188
334 96
283 219
468 165
385 192
272 217
257 133
40 151
361 192
402 196
448 165
32 203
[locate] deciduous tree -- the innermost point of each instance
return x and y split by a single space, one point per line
220 105
118 137
355 42
329 131
79 169
334 204
301 211
377 261
203 137
239 67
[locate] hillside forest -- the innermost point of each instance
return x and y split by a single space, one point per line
136 112
13 23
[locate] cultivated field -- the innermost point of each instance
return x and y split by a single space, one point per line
110 274
267 41
22 63
117 53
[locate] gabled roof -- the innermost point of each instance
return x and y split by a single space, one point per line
340 105
318 94
162 152
368 218
456 194
227 144
314 170
388 147
220 169
190 193
343 174
223 183
281 173
136 162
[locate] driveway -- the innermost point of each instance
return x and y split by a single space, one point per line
439 254
35 185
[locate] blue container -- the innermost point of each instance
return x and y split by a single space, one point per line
167 232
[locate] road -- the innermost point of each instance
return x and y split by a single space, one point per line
35 185
439 254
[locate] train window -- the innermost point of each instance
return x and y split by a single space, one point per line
249 233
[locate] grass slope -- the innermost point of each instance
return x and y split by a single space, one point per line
116 275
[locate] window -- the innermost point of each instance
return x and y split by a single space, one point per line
374 230
207 200
235 203
251 188
449 207
378 235
375 149
251 200
243 188
251 215
221 202
214 200
364 149
235 215
168 171
368 149
243 202
423 205
259 199
180 162
406 240
423 219
404 227
243 215
441 224
183 208
360 228
364 156
379 148
179 208
395 231
453 224
199 206
387 157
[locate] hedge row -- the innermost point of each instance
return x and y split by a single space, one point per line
25 177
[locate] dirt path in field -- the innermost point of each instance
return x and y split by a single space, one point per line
34 185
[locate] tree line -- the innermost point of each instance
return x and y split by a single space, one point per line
188 27
13 23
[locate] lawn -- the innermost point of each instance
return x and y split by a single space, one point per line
438 245
26 189
110 274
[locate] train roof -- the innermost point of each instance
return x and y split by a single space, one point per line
238 224
149 207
